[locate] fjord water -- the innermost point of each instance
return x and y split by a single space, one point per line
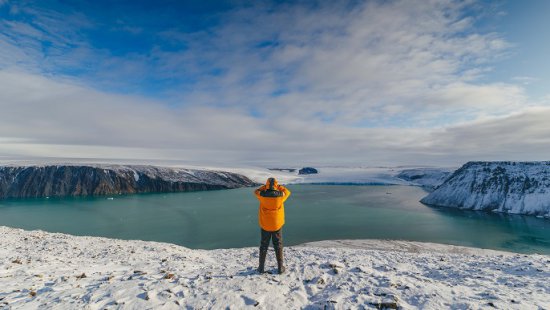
228 218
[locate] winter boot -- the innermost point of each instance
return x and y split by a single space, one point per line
279 254
263 254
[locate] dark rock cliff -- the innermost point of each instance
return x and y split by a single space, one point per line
82 180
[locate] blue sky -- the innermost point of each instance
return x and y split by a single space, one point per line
522 23
269 82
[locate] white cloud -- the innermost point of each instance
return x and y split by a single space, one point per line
56 119
381 83
419 58
46 41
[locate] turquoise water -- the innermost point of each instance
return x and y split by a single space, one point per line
223 219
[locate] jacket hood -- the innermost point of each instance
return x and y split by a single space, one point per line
268 183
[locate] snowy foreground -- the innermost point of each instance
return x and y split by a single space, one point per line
47 270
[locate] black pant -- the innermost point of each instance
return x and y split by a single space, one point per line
277 237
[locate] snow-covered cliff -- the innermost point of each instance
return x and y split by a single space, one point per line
82 180
510 187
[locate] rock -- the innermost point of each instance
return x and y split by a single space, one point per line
169 276
93 180
386 305
82 276
336 266
307 170
388 302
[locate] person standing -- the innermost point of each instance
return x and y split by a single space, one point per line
271 218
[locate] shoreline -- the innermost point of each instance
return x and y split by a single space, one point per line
397 245
41 269
357 244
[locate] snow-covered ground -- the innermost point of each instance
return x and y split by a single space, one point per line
45 270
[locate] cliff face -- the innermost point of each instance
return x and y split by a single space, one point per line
511 187
67 180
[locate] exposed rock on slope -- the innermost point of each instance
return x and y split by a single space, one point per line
82 180
511 187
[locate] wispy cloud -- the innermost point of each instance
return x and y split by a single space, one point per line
349 65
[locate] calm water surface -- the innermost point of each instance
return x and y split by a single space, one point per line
223 219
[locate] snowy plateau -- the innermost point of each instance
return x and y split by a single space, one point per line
509 187
40 270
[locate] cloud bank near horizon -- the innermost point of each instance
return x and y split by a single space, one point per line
395 82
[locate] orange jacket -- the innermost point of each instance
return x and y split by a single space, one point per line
271 213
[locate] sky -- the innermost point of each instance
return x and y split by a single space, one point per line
354 83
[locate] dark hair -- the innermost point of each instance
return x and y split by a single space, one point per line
271 193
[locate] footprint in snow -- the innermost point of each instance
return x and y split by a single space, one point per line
249 301
247 272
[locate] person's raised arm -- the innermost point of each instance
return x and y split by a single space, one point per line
285 191
258 190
